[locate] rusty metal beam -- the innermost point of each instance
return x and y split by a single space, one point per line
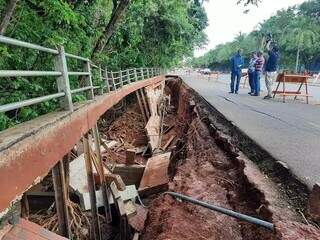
59 184
141 107
145 102
42 142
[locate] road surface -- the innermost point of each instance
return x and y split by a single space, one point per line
290 132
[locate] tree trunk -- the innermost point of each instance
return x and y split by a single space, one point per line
7 14
297 59
109 30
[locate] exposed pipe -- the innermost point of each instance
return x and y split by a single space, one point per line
225 211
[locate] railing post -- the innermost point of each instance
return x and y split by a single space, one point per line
101 80
135 75
106 79
113 82
142 73
128 76
148 76
121 82
63 83
88 80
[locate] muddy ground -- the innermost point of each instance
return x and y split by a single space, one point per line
203 169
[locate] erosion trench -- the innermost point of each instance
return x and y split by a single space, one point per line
180 144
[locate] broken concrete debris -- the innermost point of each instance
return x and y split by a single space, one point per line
79 184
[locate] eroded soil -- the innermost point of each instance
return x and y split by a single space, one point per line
202 170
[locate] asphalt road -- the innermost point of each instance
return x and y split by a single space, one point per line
290 132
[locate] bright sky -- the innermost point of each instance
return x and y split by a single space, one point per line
226 19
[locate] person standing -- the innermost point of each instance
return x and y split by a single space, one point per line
236 73
258 72
271 68
251 70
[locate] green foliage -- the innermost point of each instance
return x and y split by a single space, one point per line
151 33
292 29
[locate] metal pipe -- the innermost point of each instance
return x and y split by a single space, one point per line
18 73
19 43
16 105
78 73
225 211
77 57
80 89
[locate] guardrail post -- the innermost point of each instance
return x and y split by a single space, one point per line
101 81
106 79
88 80
128 76
135 75
148 75
142 73
121 82
113 82
63 83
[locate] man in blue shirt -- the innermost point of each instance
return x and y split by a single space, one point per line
236 73
271 68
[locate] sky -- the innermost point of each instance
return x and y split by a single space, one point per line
227 19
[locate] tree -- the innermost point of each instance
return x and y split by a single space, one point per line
119 8
7 14
300 35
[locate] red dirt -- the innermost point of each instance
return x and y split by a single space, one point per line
203 171
207 175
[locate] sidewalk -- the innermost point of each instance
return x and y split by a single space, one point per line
290 132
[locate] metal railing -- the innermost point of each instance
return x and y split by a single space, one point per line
111 80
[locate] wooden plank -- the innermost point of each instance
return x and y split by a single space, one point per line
130 156
130 174
167 144
155 177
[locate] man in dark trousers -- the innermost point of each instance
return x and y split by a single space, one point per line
271 67
236 73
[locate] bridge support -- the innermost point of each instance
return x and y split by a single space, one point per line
61 198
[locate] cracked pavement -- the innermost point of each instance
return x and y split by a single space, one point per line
290 132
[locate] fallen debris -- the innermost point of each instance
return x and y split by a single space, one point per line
155 177
130 155
130 174
137 221
167 144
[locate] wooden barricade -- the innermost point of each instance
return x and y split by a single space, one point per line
291 78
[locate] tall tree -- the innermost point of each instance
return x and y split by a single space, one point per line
7 14
119 8
300 35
